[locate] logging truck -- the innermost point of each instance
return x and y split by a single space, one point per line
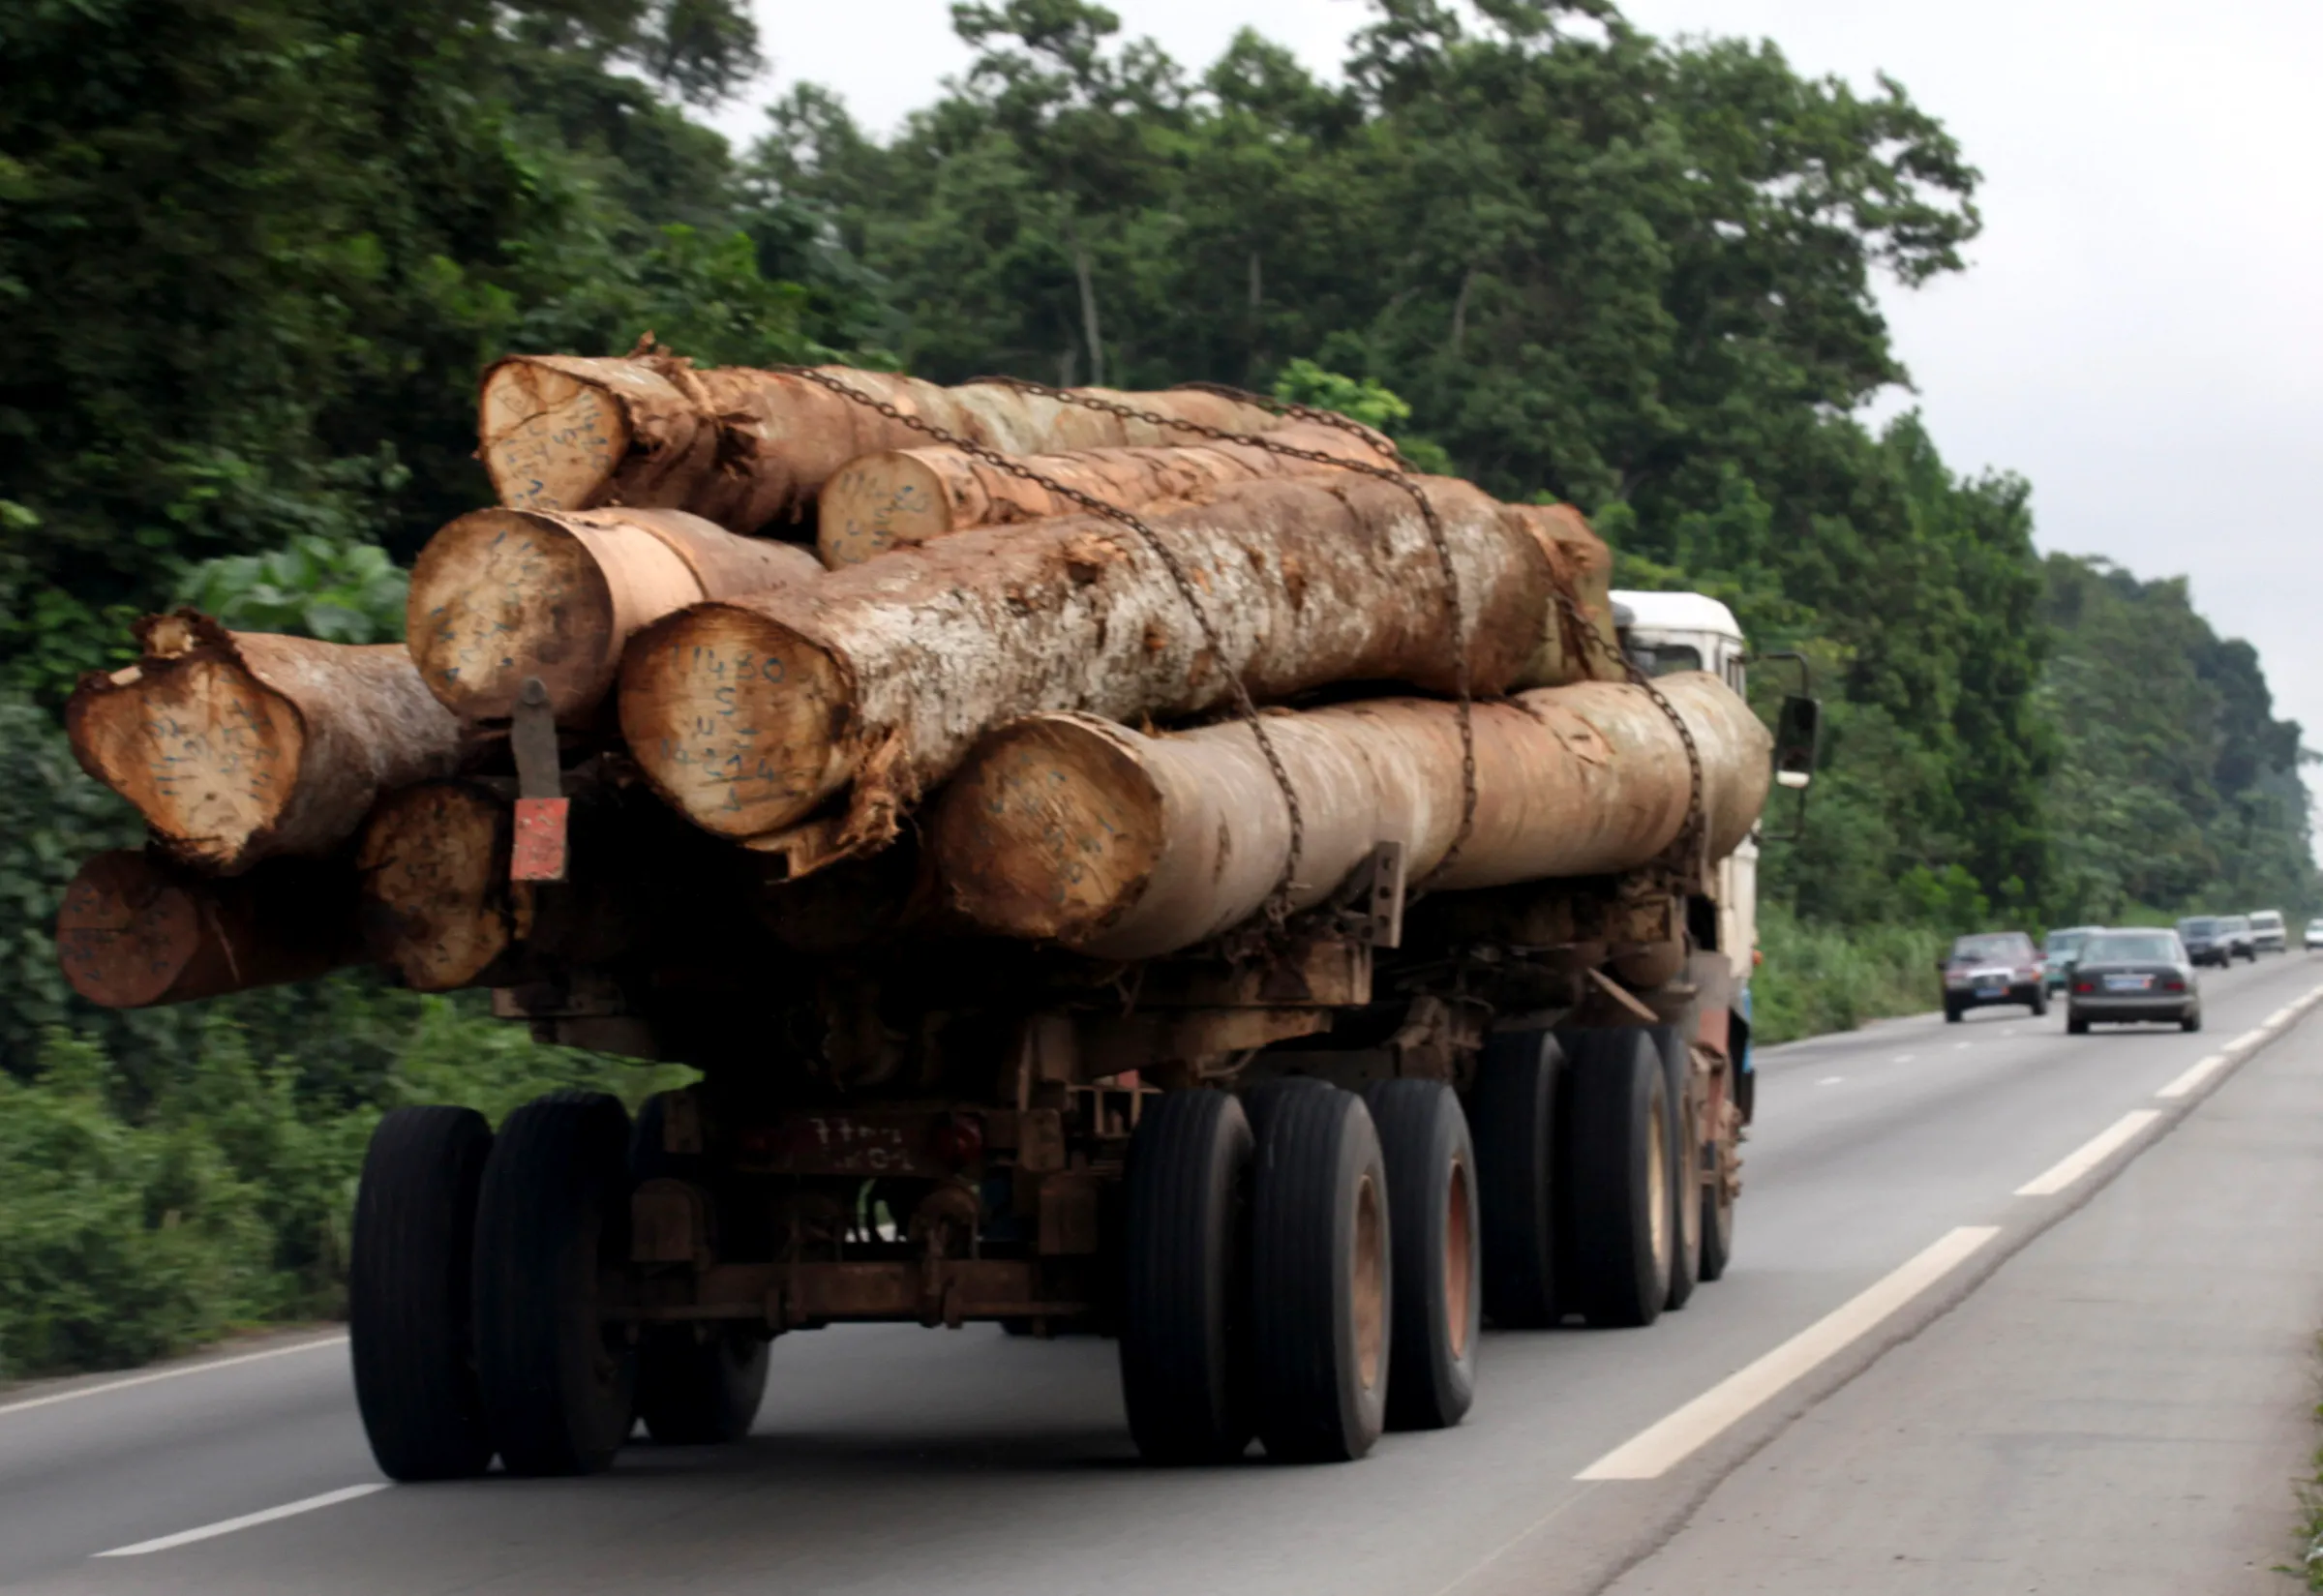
1238 897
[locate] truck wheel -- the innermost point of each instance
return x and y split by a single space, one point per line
1185 1334
1684 1163
1323 1272
1717 1220
1512 1112
552 1220
700 1392
1622 1234
1438 1300
410 1330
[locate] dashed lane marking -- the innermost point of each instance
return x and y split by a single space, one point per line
248 1521
2089 1154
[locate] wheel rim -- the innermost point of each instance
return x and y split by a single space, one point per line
1371 1284
1458 1257
1657 1180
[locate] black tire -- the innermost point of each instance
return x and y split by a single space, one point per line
2193 1020
1511 1113
410 1324
1621 1232
1438 1302
2040 1002
2076 1025
1684 1165
1717 1221
1952 1012
1185 1334
700 1390
554 1214
1322 1270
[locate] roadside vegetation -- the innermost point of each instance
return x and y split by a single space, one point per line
1549 252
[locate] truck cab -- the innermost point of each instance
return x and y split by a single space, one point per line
1669 632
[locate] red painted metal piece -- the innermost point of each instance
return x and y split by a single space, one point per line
539 854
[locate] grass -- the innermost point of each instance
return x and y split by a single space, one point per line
1817 979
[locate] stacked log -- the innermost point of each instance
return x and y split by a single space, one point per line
745 731
1074 830
236 746
749 714
138 929
501 596
903 497
744 448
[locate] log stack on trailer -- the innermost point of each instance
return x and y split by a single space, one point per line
1137 861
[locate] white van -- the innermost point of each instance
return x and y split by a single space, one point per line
2267 934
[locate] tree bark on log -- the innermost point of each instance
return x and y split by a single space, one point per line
748 713
901 497
501 596
744 447
1585 568
137 929
239 745
1071 828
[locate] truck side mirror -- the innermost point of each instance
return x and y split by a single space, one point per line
1797 740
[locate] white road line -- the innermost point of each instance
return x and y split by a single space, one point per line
1830 1080
2195 1077
1661 1447
248 1521
1904 1058
161 1375
2089 1154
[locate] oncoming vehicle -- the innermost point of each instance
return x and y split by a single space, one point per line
1994 967
2206 940
2267 934
2057 954
2236 930
2133 978
2315 934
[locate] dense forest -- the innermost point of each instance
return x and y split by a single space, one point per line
257 251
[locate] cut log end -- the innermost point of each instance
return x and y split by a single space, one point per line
501 596
207 753
1052 832
879 502
550 441
735 719
126 931
437 901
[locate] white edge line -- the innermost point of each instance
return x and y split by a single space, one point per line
248 1521
161 1375
2195 1076
2089 1154
1662 1446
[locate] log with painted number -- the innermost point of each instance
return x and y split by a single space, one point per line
1083 920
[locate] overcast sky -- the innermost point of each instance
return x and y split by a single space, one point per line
2141 329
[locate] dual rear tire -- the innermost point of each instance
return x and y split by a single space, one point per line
481 1273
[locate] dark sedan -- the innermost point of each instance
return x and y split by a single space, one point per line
2133 978
2207 940
1995 967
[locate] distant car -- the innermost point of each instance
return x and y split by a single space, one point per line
1994 967
2236 930
2267 935
2206 940
2131 977
2056 954
2314 935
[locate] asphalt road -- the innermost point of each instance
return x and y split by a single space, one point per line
2002 1318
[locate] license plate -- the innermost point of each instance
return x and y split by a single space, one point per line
2128 984
1992 991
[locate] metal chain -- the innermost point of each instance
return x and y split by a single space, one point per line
1401 474
1684 853
1279 898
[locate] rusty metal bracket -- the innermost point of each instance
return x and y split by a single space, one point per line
542 810
1379 883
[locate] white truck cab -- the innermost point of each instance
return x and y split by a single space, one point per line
1669 632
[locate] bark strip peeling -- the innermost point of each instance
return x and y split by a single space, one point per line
135 930
238 745
1071 828
744 447
906 496
749 714
501 596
